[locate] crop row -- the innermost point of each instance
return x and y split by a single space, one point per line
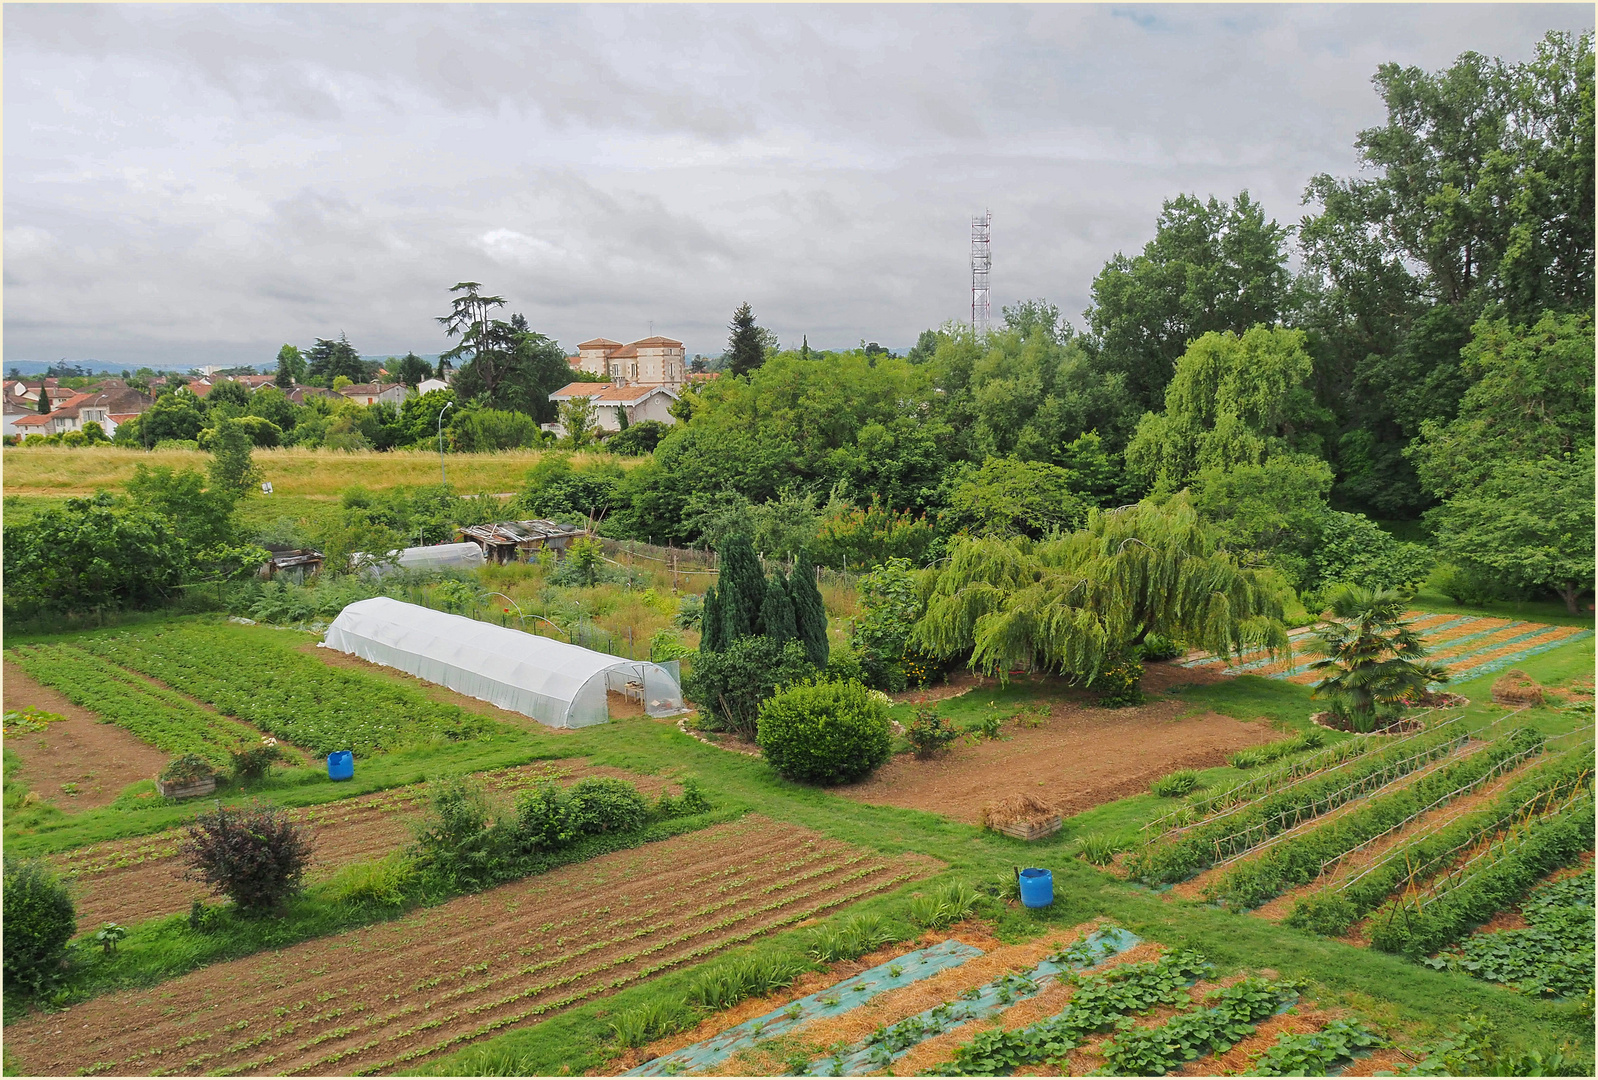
1552 954
1300 859
1334 909
1176 857
170 723
1417 927
1096 1002
718 945
1214 803
1195 1032
283 691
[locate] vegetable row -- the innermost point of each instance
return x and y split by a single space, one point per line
1180 855
1333 910
267 682
166 721
1298 861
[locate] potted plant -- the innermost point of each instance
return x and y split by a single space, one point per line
187 776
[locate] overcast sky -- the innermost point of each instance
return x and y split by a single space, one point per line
201 184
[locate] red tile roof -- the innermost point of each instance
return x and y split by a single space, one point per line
600 343
656 340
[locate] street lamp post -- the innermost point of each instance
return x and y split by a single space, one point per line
442 476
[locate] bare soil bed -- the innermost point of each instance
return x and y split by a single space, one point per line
385 997
127 881
1078 758
98 759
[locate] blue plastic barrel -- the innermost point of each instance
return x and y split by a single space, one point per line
1037 887
341 765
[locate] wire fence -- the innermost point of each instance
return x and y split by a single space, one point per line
1525 809
1323 763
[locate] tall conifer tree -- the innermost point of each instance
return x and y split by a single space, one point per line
710 637
777 620
810 614
740 588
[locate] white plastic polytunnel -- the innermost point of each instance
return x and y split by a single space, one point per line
555 683
465 556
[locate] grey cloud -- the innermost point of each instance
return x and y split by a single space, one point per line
197 183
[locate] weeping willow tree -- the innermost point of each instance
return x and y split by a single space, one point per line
1079 602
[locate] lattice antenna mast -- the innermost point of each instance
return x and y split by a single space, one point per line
981 263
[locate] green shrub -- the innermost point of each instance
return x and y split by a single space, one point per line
730 685
1156 648
930 734
1098 849
692 801
849 939
386 882
187 769
1175 785
825 732
1250 757
455 842
732 981
601 804
1119 683
38 921
941 907
256 857
643 1024
254 762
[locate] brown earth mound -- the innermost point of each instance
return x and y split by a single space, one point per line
1013 809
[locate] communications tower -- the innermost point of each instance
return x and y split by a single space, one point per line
981 263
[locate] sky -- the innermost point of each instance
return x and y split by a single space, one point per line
200 184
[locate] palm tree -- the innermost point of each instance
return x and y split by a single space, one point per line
1373 662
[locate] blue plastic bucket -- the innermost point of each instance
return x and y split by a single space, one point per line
341 765
1037 887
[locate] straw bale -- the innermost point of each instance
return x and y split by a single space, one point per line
1016 809
1515 687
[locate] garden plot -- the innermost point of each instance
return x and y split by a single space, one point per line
385 997
260 677
77 763
1467 645
126 881
1076 758
1013 1008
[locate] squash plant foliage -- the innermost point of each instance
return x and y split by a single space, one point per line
1075 603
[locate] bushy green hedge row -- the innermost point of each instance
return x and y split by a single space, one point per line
1298 861
1332 912
1176 858
825 732
1403 926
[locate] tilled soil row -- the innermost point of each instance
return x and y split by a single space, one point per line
381 998
127 881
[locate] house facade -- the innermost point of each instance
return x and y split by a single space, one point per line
652 361
372 393
638 402
108 408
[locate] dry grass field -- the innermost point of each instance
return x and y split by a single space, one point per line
62 470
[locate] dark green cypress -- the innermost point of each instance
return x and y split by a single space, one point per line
810 614
710 636
777 619
741 586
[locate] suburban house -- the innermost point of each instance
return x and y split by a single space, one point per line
427 386
655 361
108 408
519 541
637 402
17 407
298 394
372 393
